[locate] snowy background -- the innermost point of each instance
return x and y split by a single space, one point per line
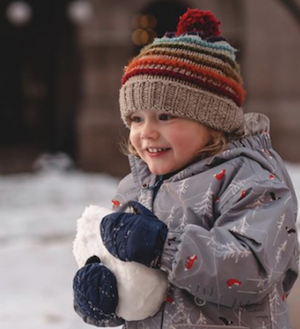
38 214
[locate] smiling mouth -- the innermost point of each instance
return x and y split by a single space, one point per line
156 150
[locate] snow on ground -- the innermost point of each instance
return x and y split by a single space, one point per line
38 215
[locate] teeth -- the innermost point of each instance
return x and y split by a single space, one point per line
154 149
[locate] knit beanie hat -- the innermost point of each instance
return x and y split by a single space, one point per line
191 73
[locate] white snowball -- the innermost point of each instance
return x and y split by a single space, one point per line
141 290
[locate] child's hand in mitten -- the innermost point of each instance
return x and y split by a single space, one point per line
95 291
138 237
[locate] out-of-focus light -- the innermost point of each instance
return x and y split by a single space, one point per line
80 11
137 37
19 12
145 21
144 26
142 37
148 21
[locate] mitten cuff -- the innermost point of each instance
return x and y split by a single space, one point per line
170 248
115 321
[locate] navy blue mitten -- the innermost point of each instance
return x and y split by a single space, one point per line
138 236
95 291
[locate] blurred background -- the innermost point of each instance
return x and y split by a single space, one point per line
61 63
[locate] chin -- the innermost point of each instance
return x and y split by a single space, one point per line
159 172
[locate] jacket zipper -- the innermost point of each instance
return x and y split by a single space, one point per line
162 316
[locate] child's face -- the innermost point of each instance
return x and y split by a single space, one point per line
166 143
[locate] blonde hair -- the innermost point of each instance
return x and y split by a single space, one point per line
217 144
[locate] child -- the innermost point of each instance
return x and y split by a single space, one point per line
214 206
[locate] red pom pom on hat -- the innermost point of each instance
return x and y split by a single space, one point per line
201 21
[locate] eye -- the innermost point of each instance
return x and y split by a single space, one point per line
165 117
135 118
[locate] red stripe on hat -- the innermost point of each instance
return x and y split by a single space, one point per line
193 69
207 84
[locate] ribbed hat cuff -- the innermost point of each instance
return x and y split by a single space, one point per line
165 95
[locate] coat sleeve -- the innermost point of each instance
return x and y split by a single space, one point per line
252 246
126 191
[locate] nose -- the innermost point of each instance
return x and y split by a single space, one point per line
149 130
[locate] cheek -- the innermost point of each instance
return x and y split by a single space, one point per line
133 137
190 146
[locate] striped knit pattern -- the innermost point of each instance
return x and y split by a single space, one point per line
188 77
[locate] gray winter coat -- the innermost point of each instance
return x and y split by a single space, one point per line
232 252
